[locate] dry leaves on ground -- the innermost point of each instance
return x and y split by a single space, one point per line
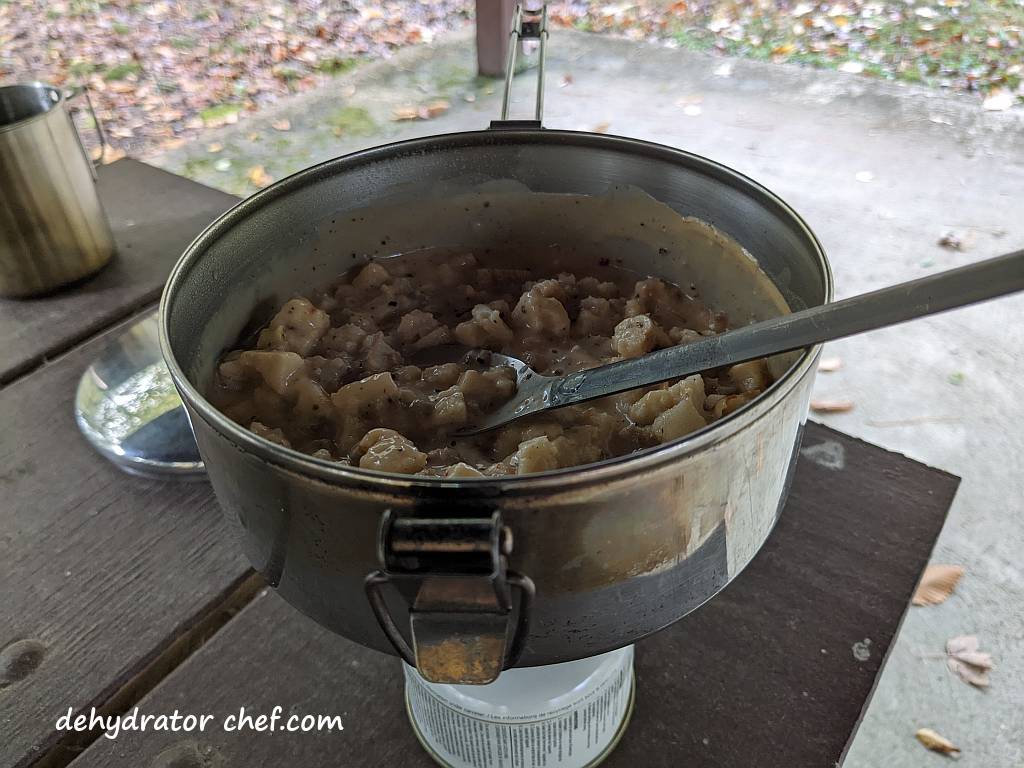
108 155
601 128
259 176
159 71
965 660
956 241
937 583
839 405
424 112
965 45
936 743
281 125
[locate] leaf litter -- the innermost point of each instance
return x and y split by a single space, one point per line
972 46
160 72
937 583
936 742
965 660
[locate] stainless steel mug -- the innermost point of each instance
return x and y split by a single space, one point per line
52 227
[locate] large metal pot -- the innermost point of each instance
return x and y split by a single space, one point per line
548 567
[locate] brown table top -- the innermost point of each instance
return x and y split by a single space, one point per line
127 590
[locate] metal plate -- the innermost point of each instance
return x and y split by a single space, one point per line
128 409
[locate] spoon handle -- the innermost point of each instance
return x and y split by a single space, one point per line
888 306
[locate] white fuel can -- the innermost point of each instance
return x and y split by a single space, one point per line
567 715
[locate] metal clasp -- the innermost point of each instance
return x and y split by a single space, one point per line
461 613
532 27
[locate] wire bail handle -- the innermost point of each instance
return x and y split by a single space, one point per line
526 25
83 91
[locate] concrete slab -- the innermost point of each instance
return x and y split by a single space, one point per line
943 390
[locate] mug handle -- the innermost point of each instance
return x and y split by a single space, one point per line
82 90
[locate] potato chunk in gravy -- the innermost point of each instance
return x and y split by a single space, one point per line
331 374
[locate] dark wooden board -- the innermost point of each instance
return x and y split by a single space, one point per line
763 675
154 215
101 568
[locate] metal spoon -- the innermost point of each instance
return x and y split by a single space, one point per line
877 309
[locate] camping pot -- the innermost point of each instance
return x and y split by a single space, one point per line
52 227
465 577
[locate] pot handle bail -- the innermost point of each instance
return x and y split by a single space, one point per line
526 25
83 90
461 616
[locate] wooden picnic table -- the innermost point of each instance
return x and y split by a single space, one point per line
121 592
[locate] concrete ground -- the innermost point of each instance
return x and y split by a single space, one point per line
879 171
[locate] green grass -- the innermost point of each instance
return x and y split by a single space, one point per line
219 112
336 65
288 74
120 29
122 71
351 121
81 69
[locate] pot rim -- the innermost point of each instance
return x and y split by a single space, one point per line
40 86
602 471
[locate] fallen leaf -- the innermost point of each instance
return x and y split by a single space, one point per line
259 177
865 177
281 125
937 584
831 406
601 128
405 113
436 108
783 50
214 148
965 660
112 154
951 240
935 742
566 80
830 364
956 241
998 100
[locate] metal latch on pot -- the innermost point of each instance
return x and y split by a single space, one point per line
466 625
